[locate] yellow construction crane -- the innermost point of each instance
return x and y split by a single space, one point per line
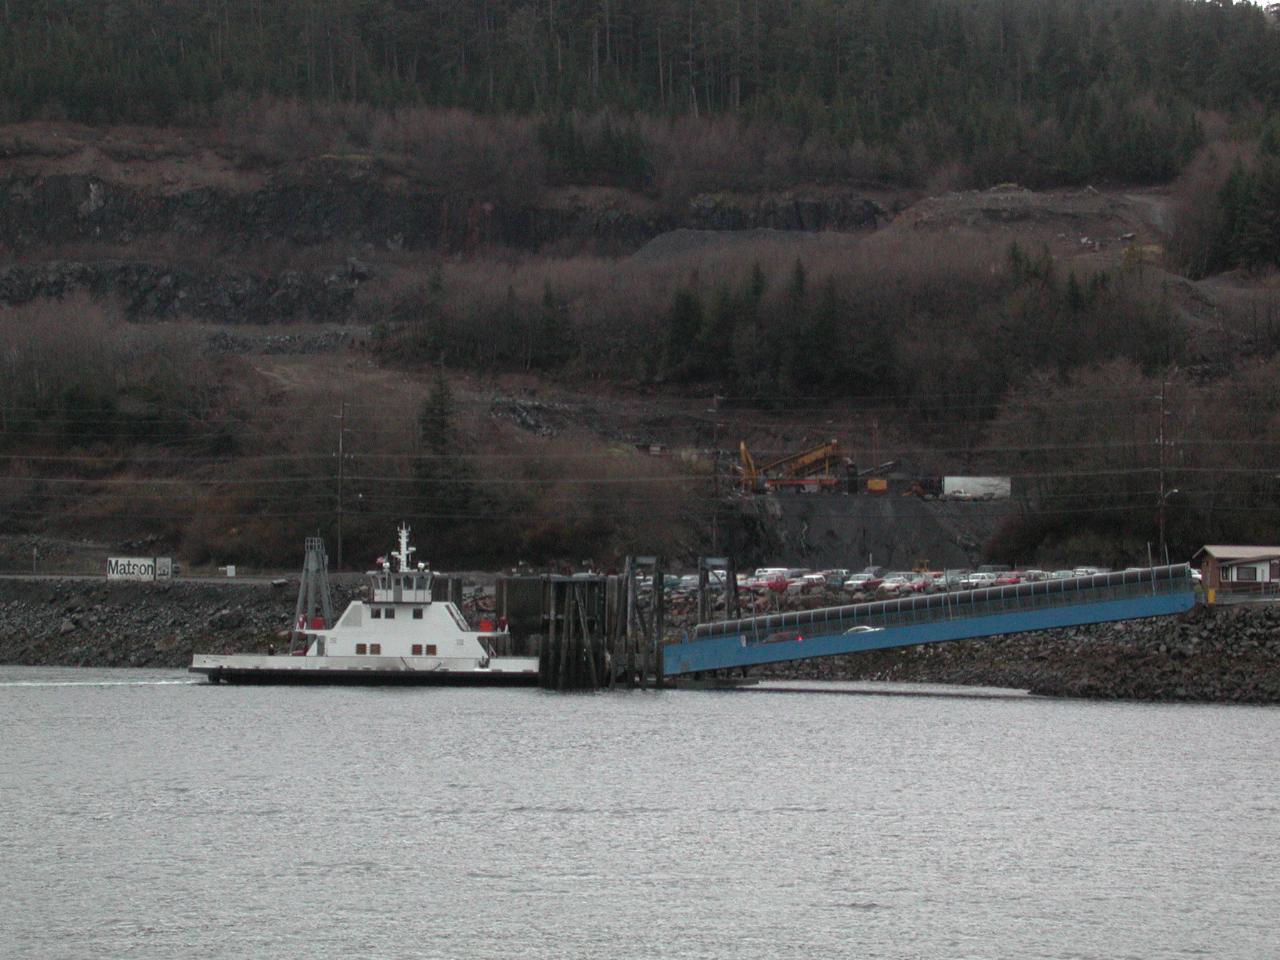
812 469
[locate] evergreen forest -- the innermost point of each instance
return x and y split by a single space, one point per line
1044 92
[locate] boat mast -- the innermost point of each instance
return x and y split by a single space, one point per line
405 552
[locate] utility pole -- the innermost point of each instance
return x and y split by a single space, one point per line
1165 493
715 474
1160 514
342 429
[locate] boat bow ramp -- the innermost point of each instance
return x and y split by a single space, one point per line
932 618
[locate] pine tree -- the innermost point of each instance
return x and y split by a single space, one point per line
435 421
684 323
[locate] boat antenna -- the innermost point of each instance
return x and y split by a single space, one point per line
405 553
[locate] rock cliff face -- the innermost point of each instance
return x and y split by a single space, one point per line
1224 655
153 291
317 207
328 206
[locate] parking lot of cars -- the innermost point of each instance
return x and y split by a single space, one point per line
840 585
877 583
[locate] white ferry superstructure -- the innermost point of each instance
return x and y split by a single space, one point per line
398 636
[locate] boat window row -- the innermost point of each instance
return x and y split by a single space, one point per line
375 649
387 582
389 613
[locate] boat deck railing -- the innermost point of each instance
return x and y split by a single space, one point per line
960 604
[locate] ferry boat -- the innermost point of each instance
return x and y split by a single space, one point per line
398 636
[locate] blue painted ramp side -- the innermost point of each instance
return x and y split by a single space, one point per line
743 649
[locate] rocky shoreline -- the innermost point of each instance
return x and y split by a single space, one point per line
1211 654
1221 655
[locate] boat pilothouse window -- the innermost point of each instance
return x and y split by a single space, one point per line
375 613
391 613
417 613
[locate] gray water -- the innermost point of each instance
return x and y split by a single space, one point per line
142 816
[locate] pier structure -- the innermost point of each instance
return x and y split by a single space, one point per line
932 618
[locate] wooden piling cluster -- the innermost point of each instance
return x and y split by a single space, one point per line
603 631
639 628
573 655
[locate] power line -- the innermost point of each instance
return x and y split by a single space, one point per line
903 451
410 514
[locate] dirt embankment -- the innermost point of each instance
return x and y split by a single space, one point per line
1217 655
890 531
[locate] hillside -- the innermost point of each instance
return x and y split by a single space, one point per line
528 274
213 314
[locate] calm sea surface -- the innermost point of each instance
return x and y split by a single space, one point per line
144 816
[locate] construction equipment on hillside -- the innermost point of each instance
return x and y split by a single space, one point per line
808 471
876 482
750 476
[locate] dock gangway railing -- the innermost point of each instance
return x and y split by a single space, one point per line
933 618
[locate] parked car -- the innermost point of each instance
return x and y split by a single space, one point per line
901 581
978 580
862 583
922 582
1062 575
763 575
806 583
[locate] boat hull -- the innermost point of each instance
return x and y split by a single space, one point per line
502 672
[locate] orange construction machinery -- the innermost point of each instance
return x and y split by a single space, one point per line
808 471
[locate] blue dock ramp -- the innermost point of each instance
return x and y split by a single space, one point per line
932 618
